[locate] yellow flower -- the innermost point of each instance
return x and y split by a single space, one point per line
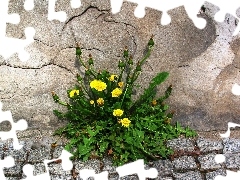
125 122
73 92
120 84
100 101
98 85
117 112
116 92
112 77
92 102
154 102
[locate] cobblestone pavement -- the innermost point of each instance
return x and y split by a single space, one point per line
194 158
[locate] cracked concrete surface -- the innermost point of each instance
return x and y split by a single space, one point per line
203 64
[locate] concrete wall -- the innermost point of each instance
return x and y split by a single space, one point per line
203 64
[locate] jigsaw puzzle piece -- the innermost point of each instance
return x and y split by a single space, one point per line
66 165
20 125
9 46
192 8
6 163
137 167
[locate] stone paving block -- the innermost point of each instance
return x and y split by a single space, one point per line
18 155
12 178
91 164
38 168
129 177
184 162
1 149
212 175
190 175
107 165
207 145
232 161
16 170
56 169
113 176
164 167
8 146
57 151
58 177
208 162
162 178
181 144
231 145
27 144
39 155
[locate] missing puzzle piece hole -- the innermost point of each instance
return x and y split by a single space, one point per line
139 11
13 18
166 19
219 158
29 5
116 6
220 16
5 126
75 4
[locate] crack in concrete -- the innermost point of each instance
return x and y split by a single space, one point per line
38 40
104 13
85 11
36 68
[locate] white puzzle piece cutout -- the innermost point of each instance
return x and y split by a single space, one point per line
29 5
137 167
75 4
192 8
9 46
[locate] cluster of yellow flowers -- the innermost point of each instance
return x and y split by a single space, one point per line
125 121
101 86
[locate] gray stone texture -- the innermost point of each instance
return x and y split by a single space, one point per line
184 162
232 160
231 145
181 144
180 168
188 175
208 162
212 175
203 64
207 145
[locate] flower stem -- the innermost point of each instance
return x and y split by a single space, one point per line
124 95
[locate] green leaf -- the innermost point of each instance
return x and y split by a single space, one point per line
103 146
149 92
